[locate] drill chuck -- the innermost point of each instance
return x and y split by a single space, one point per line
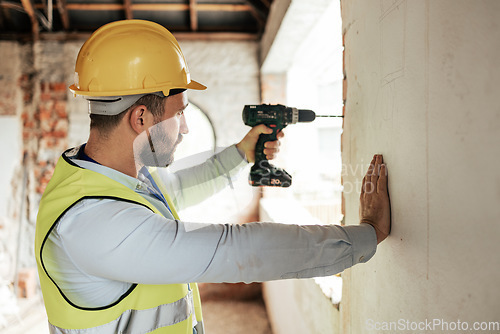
301 115
306 115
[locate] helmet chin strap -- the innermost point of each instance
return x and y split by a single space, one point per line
113 105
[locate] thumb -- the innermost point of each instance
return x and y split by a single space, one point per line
259 129
247 144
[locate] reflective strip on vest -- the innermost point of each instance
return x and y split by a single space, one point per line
140 321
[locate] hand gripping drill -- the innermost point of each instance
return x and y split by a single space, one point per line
275 117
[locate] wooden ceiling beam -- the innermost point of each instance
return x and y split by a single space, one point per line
223 7
65 36
128 9
30 10
200 7
193 15
63 12
215 36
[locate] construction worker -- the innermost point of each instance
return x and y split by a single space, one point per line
112 254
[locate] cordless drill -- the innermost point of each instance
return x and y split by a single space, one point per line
275 117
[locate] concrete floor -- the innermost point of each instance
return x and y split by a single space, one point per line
234 308
235 317
32 319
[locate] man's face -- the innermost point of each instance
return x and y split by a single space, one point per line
156 145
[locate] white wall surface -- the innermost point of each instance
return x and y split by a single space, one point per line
11 155
423 79
11 152
230 71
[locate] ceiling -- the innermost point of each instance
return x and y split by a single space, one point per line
191 19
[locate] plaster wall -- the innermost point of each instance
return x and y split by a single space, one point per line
422 89
230 71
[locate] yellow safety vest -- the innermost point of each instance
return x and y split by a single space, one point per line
144 308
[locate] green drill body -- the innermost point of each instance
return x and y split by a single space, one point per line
276 117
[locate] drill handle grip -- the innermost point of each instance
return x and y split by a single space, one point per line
263 138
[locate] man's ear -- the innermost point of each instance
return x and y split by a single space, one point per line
140 119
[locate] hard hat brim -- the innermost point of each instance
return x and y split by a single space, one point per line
196 85
192 85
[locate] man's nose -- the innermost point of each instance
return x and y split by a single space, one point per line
184 128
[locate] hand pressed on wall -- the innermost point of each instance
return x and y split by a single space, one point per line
375 206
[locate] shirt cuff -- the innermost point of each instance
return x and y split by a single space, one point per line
242 153
236 156
363 240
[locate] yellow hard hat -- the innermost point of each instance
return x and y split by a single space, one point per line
131 57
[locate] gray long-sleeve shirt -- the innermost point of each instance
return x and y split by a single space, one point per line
100 247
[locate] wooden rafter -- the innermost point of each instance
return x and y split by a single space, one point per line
128 9
63 12
33 8
199 36
30 10
223 7
215 36
193 15
157 7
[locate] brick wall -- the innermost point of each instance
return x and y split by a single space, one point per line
35 101
9 72
49 127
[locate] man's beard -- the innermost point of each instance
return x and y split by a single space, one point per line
153 147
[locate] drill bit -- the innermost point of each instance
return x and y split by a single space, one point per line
329 116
